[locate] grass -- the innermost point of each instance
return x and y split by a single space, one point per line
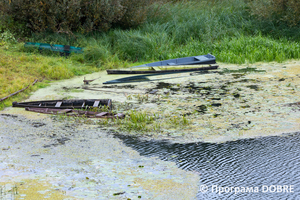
138 122
19 69
151 123
224 28
144 122
148 123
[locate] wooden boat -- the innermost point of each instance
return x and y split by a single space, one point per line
154 77
192 60
168 65
66 104
63 49
76 113
161 71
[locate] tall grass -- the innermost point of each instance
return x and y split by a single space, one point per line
186 28
245 49
134 45
204 21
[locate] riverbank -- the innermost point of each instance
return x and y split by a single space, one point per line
233 102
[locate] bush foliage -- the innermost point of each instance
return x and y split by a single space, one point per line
287 11
67 16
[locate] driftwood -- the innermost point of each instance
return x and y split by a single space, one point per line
86 82
17 91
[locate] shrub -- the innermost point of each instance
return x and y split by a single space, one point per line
7 36
135 12
75 15
287 11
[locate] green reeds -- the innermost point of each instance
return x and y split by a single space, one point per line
223 28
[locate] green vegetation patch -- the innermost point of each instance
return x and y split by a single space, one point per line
18 70
226 29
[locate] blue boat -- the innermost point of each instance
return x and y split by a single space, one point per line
171 66
193 60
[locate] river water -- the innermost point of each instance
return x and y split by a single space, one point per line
261 168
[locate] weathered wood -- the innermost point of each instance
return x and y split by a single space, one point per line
66 104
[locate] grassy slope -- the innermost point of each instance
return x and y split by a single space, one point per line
19 69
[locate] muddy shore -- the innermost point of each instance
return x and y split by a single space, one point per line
230 103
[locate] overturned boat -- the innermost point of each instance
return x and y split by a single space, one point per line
169 66
66 104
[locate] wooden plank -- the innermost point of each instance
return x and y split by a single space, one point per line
64 111
58 104
102 114
109 103
96 103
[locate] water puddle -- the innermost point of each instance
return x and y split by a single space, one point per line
264 163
